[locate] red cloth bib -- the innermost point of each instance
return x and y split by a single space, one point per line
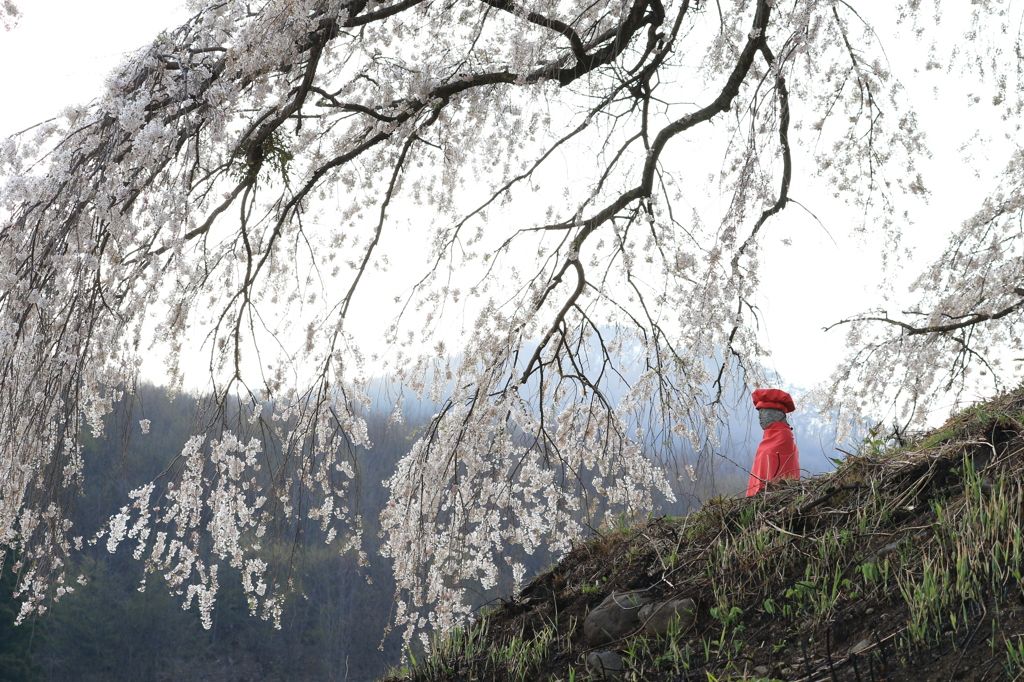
777 457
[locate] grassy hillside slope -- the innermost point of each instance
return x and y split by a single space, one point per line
904 564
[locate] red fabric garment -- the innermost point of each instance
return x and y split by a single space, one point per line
777 457
774 399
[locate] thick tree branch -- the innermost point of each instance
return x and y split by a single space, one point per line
559 320
971 320
540 20
721 104
787 157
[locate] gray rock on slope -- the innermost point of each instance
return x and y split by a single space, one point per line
613 618
604 664
676 615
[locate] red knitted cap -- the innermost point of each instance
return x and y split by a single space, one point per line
773 398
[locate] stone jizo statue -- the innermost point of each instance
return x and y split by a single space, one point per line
777 456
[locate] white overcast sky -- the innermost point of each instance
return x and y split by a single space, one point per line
61 51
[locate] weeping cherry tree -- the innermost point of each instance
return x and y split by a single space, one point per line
512 189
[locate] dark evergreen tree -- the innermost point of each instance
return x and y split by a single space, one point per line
16 642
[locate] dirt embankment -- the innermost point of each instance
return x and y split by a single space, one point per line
905 564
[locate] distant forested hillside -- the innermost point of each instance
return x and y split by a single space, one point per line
334 622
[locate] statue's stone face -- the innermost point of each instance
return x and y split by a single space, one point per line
769 416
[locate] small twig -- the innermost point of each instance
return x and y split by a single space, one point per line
810 674
856 671
828 654
829 493
782 530
967 643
